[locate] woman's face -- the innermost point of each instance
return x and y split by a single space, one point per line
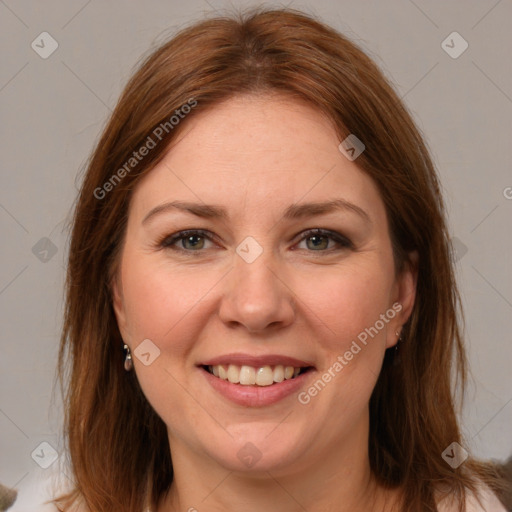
251 284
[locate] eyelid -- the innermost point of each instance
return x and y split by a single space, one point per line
340 239
170 241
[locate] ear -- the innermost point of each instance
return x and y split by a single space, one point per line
116 288
403 297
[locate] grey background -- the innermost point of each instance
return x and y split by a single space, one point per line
53 110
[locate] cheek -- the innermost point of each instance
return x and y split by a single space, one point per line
351 305
160 301
347 301
168 306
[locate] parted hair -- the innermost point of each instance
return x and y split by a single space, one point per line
118 446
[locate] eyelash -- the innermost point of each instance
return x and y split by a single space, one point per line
168 242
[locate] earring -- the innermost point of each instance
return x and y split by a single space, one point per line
397 356
128 363
399 340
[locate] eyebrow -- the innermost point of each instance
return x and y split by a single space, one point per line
295 211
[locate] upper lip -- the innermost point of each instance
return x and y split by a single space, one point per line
256 361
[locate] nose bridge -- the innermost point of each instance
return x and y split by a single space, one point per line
254 296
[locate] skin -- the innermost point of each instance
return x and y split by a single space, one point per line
256 156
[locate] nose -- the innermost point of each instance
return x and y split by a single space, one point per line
256 297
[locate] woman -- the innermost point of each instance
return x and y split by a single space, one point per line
261 307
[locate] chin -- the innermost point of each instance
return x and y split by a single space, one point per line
258 450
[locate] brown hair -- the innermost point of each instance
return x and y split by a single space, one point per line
117 444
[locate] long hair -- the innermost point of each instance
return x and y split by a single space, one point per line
118 445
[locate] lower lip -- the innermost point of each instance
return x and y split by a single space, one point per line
256 396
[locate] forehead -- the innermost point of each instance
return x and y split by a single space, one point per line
253 152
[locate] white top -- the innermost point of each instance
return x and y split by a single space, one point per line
38 487
490 503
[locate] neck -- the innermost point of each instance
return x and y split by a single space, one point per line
333 480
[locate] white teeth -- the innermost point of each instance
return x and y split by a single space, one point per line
264 376
233 374
288 372
222 372
279 373
250 376
247 375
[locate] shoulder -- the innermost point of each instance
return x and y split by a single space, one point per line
489 502
485 501
37 490
33 492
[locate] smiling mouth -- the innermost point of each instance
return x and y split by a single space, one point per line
245 375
